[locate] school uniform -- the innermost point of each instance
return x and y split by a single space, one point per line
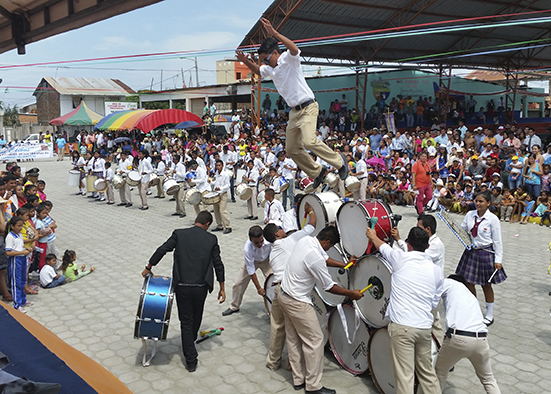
144 167
201 183
98 169
289 175
17 269
361 167
160 171
222 183
276 187
125 166
109 175
273 212
180 177
80 165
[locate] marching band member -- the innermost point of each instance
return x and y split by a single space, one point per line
361 174
201 181
274 183
79 163
145 169
109 175
270 158
98 169
221 185
125 166
179 175
160 171
289 219
287 167
250 177
273 210
230 161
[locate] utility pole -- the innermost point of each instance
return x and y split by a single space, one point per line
161 80
196 73
151 87
183 79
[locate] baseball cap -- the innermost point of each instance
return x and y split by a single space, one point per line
474 157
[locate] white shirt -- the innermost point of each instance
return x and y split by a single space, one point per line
109 174
14 242
436 250
221 181
125 166
287 174
47 275
253 176
227 158
98 165
201 180
361 166
462 308
288 79
161 168
273 211
282 249
252 254
270 160
489 232
416 287
145 166
306 265
180 172
289 220
274 184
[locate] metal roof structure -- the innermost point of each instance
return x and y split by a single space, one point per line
84 86
26 21
507 45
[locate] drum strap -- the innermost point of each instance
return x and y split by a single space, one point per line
345 324
145 360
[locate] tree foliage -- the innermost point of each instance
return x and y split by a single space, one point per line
11 116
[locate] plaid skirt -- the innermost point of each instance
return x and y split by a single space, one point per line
477 265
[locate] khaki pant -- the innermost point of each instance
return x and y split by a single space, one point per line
304 342
277 332
180 199
243 279
110 193
360 194
300 134
160 190
340 189
411 352
252 204
506 211
436 326
124 193
221 212
142 189
476 350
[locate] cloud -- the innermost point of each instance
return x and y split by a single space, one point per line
111 43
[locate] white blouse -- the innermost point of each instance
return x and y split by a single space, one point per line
489 231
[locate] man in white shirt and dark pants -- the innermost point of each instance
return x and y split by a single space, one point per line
257 255
221 185
416 290
308 263
466 336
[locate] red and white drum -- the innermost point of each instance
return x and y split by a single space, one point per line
349 339
372 269
342 280
307 185
353 219
322 312
325 206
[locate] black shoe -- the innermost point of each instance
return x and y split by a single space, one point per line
248 217
161 197
343 171
144 208
298 387
233 200
110 203
183 215
319 179
323 390
157 197
172 199
217 229
227 231
488 322
79 193
191 367
254 218
128 205
92 196
229 311
122 204
176 214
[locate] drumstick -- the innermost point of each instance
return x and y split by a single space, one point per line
491 277
267 298
341 270
366 289
304 221
217 332
203 333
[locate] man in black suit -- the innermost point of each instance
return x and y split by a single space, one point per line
196 254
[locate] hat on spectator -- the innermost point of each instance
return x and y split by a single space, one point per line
440 182
451 176
450 132
33 172
500 128
496 174
467 178
475 157
478 177
514 158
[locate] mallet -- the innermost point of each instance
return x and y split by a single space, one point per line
216 332
347 266
366 289
203 333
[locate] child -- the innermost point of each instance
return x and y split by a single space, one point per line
17 263
528 207
520 196
515 180
390 191
546 178
109 175
546 214
477 265
48 276
41 185
497 199
507 205
467 199
44 231
70 269
53 226
30 236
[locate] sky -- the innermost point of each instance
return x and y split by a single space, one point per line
171 25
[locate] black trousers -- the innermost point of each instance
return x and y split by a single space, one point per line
190 301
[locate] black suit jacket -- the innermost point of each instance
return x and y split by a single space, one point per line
196 256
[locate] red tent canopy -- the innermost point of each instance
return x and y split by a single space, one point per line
164 116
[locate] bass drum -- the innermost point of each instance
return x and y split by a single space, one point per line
133 178
154 308
244 191
100 185
90 179
153 180
170 186
322 312
372 306
354 217
211 198
325 206
261 198
342 280
380 363
349 339
193 196
270 292
118 181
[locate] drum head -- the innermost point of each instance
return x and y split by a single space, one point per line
372 306
270 292
342 280
193 196
325 206
155 308
380 362
321 312
352 356
246 194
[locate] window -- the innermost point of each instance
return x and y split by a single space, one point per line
237 75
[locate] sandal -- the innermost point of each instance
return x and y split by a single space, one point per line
7 299
31 291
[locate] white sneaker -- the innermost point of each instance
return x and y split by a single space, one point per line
28 303
22 310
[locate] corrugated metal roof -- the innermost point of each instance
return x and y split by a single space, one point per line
87 86
303 19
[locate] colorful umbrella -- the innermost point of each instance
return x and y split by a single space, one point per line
146 119
106 121
80 116
187 124
221 118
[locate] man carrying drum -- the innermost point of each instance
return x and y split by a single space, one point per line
221 186
179 175
251 177
125 166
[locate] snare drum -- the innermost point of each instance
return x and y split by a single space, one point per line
307 185
170 186
354 217
133 178
100 185
190 178
380 362
325 206
342 280
331 180
211 198
352 184
269 290
283 184
244 191
153 180
154 308
261 198
349 343
321 312
90 179
372 306
74 178
117 181
228 172
193 196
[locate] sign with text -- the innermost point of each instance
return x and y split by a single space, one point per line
114 106
21 151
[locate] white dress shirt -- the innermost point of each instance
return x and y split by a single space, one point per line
274 184
221 181
98 165
462 308
179 172
145 166
285 172
289 220
201 180
270 160
489 231
306 265
125 166
361 166
273 211
161 168
252 254
253 176
436 250
282 249
416 287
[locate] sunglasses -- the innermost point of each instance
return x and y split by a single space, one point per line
267 60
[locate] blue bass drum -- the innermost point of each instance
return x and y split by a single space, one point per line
154 308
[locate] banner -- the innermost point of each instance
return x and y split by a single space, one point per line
114 106
27 151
